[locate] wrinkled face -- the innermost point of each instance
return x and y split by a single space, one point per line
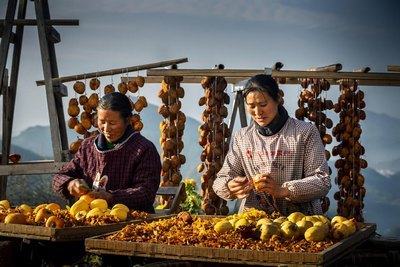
261 107
111 124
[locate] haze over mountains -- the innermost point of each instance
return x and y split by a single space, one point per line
380 136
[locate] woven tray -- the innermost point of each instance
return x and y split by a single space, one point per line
64 234
99 245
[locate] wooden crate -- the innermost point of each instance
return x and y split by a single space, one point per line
64 234
99 245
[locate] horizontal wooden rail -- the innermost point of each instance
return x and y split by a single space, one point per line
31 167
333 67
291 76
393 68
186 79
114 71
33 22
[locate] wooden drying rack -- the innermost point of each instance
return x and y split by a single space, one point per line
291 76
55 90
37 167
330 73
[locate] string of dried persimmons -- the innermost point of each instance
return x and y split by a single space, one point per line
348 131
172 130
313 104
213 138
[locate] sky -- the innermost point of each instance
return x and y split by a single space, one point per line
241 34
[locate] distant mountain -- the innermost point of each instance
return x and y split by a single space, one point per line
36 139
26 154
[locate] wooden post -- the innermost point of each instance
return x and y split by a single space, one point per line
10 92
54 103
237 105
4 158
6 38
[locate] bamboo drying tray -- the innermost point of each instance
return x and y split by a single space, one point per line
67 233
99 245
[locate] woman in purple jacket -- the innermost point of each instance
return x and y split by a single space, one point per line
119 165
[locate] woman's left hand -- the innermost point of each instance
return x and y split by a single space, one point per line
272 188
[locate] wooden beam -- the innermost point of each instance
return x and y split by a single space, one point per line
12 36
53 35
7 34
186 79
115 71
333 67
41 13
61 90
6 37
33 22
6 131
360 82
11 90
31 167
292 77
204 72
365 70
393 68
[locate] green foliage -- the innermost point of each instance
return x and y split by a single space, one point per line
192 203
90 260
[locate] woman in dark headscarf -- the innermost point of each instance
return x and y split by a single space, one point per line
119 165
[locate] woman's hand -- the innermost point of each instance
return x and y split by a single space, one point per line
267 184
78 187
240 187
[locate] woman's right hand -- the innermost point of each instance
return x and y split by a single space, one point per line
240 187
78 187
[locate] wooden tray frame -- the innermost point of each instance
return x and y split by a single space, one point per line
67 233
99 245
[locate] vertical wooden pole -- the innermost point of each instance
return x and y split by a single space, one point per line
8 116
4 47
10 92
57 97
6 37
41 7
238 105
4 158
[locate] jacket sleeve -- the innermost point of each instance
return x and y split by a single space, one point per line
231 168
316 182
146 179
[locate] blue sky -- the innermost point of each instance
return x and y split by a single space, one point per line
242 34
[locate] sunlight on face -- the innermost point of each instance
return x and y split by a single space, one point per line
111 124
261 107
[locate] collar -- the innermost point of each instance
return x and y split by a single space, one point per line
276 124
103 144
